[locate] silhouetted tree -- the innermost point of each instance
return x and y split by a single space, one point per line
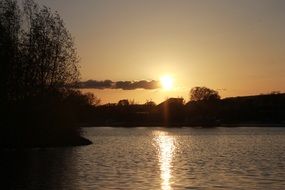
123 102
150 103
203 93
39 66
36 50
91 99
49 49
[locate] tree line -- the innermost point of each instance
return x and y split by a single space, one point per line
205 108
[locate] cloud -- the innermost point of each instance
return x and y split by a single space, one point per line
131 85
96 84
124 85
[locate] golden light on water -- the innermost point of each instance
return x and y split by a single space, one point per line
166 82
166 147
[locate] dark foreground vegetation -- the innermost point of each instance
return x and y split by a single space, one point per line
38 105
260 110
44 121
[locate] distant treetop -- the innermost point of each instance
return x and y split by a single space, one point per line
203 94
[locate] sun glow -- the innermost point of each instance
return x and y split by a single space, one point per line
166 82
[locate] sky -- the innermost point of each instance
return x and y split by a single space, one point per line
234 46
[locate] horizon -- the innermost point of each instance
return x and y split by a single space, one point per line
233 47
135 102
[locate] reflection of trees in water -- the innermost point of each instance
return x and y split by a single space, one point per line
39 169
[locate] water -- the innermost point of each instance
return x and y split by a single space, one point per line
155 158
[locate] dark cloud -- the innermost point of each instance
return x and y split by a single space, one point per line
125 85
96 84
131 85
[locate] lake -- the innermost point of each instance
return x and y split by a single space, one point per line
154 158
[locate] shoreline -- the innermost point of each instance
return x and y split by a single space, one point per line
179 125
72 142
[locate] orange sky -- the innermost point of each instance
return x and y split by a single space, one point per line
237 46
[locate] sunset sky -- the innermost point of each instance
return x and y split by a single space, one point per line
234 46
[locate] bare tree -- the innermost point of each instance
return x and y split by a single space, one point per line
49 49
36 49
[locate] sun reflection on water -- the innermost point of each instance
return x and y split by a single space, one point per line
166 147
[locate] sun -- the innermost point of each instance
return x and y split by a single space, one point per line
166 82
